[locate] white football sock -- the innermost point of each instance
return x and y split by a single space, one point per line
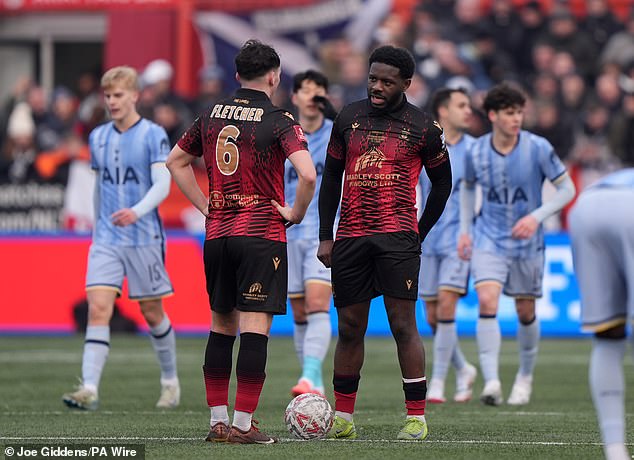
608 388
299 333
219 414
96 349
489 341
528 344
164 342
444 345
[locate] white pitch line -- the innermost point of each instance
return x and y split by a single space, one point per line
375 441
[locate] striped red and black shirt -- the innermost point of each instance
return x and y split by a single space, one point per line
244 141
384 153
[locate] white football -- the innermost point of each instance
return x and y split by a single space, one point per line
309 416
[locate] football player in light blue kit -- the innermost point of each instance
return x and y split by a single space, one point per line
128 155
444 277
309 287
508 239
602 233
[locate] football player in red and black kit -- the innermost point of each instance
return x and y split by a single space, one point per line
244 141
380 145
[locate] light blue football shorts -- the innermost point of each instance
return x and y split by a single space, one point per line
602 237
519 277
449 273
144 267
304 266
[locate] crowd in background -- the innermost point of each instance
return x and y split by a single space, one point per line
577 71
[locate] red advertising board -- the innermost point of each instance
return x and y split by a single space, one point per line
42 280
83 5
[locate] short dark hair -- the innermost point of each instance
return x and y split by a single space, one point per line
503 96
255 59
311 75
396 57
442 96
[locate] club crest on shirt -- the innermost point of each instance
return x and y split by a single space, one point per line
372 157
405 133
299 132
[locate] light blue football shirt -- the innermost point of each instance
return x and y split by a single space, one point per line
511 189
443 237
623 178
317 146
122 162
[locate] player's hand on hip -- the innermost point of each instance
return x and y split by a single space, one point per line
525 228
464 247
124 217
324 252
287 214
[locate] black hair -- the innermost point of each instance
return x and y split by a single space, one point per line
311 75
396 57
255 59
503 96
442 96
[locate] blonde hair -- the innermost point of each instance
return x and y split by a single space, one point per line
124 75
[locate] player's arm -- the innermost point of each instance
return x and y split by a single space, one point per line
179 164
95 196
467 196
306 182
156 193
329 197
440 178
527 226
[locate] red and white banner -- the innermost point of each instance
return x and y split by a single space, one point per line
82 5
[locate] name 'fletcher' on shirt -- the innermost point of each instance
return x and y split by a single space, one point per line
237 112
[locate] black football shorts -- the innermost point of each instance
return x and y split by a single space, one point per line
367 266
247 273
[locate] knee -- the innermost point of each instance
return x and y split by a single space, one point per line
488 303
351 331
100 311
404 331
152 312
526 311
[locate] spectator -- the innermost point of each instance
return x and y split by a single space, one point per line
564 35
619 49
533 26
505 26
60 121
621 132
573 98
18 151
210 88
550 124
156 81
591 157
599 23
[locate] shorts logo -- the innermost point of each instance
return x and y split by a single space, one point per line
276 262
255 293
409 284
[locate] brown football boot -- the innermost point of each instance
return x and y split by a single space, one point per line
253 436
218 432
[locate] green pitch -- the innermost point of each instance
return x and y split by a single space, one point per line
34 372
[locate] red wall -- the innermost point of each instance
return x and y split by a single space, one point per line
43 278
